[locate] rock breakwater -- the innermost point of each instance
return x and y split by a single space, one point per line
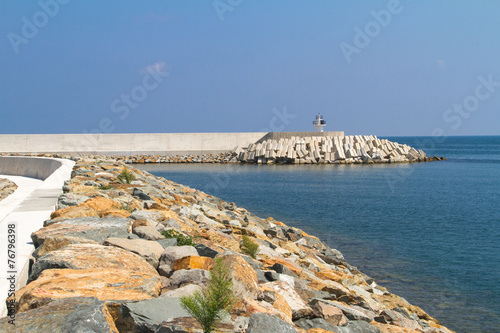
103 264
7 187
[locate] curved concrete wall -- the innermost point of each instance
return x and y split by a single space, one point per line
34 167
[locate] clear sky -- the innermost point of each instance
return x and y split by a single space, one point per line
370 67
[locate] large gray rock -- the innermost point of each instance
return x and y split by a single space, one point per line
149 250
172 253
206 251
307 324
189 276
187 290
93 228
350 312
147 215
148 315
78 314
357 326
70 199
166 242
148 233
263 323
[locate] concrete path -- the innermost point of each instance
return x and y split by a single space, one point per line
22 213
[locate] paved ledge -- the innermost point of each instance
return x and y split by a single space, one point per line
39 182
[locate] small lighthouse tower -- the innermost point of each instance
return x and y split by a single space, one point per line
319 123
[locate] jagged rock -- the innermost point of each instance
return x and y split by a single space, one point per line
148 315
328 312
104 284
73 212
189 276
282 269
148 233
350 312
79 314
89 256
295 302
317 323
166 242
55 243
171 254
193 262
271 275
147 215
149 250
186 290
356 326
93 228
69 199
245 280
206 251
263 323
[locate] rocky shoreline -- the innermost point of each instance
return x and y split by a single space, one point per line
102 263
7 187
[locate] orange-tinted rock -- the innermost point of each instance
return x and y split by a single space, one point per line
386 328
99 204
193 262
247 306
104 284
279 303
72 212
113 212
392 301
245 280
223 240
55 243
332 275
292 266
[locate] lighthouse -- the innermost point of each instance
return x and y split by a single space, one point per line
319 123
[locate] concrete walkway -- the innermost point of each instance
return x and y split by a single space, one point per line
26 209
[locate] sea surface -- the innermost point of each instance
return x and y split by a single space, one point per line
429 232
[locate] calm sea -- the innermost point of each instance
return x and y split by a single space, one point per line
429 232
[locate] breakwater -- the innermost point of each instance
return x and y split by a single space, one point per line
102 261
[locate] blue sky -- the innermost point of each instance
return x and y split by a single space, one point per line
370 67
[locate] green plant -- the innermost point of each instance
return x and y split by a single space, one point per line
181 238
249 246
210 306
106 187
125 176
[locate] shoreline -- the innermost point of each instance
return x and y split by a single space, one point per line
312 277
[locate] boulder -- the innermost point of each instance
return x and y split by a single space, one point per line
148 315
206 251
315 323
245 280
350 312
93 228
263 323
90 256
193 262
78 314
149 250
53 243
149 233
99 204
104 284
295 302
183 277
171 254
73 212
328 312
357 326
186 290
166 242
147 215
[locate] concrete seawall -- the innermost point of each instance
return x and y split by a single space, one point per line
132 143
40 182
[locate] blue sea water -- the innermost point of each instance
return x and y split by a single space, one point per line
429 232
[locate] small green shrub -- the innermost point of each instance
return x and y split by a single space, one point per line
249 246
181 239
106 187
125 176
210 306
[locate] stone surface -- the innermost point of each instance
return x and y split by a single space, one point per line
317 323
357 327
192 276
148 233
186 290
93 228
206 251
263 323
79 314
149 250
193 262
171 254
295 302
104 284
245 280
73 212
55 243
328 312
148 315
90 256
